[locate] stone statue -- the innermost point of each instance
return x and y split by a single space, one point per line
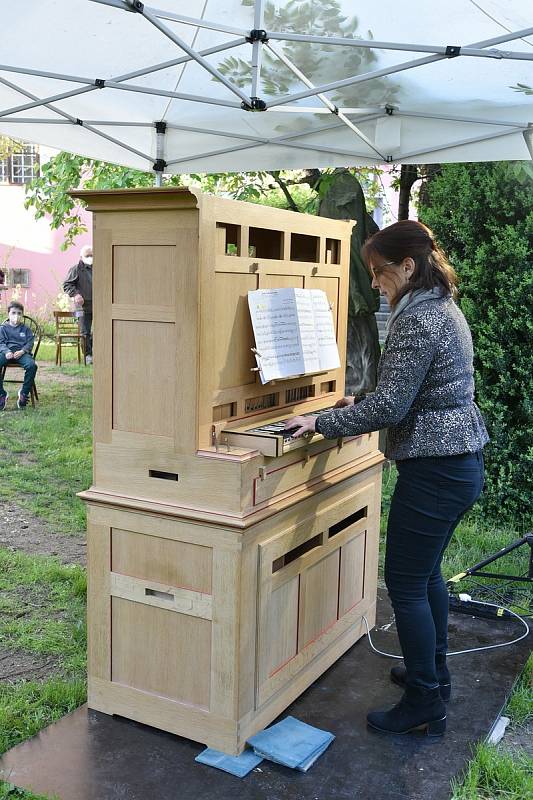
344 199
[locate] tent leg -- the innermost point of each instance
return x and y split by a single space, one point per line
160 164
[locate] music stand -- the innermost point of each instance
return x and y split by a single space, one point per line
466 605
475 571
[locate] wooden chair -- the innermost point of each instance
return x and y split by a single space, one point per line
36 329
68 334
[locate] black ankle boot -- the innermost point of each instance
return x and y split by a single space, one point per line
398 675
419 709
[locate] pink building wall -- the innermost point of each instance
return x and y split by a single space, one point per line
27 243
386 212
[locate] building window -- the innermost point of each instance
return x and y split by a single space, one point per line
19 277
20 167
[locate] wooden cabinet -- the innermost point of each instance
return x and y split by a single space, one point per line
222 581
220 628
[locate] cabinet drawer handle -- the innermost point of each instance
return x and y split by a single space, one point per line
165 476
159 595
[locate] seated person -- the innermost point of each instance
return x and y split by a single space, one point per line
16 344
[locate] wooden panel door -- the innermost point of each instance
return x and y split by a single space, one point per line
161 652
311 580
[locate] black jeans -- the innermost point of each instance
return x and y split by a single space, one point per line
431 496
86 326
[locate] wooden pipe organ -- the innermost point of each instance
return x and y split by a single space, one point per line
229 566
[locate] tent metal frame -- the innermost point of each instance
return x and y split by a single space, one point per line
259 39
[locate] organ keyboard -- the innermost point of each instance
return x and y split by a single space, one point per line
271 438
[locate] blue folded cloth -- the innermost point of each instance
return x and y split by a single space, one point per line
291 743
235 765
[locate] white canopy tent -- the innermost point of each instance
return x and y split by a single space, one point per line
241 85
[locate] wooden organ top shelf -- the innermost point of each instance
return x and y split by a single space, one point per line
228 564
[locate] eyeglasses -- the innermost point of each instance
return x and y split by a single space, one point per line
375 269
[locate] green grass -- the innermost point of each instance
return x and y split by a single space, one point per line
475 540
493 775
47 352
29 706
10 792
520 705
42 609
46 452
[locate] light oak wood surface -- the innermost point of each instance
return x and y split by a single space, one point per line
222 582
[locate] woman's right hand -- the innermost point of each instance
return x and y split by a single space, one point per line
344 401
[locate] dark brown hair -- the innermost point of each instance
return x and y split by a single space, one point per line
411 239
15 304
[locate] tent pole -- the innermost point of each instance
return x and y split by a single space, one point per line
114 83
60 76
197 23
478 51
418 62
325 100
298 146
299 74
160 163
193 54
367 76
72 120
175 62
126 5
257 49
280 141
452 118
460 143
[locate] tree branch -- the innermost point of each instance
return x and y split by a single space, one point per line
283 186
408 176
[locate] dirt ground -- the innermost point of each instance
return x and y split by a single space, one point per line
518 740
20 531
49 373
17 665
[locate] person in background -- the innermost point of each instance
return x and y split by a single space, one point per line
79 285
435 433
16 345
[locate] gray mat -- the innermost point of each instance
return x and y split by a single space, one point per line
91 756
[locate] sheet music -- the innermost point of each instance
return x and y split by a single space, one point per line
306 321
294 332
328 352
277 335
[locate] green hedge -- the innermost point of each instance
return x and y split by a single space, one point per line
482 215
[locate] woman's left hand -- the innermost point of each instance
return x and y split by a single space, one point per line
301 426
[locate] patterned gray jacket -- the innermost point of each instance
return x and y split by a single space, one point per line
425 390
